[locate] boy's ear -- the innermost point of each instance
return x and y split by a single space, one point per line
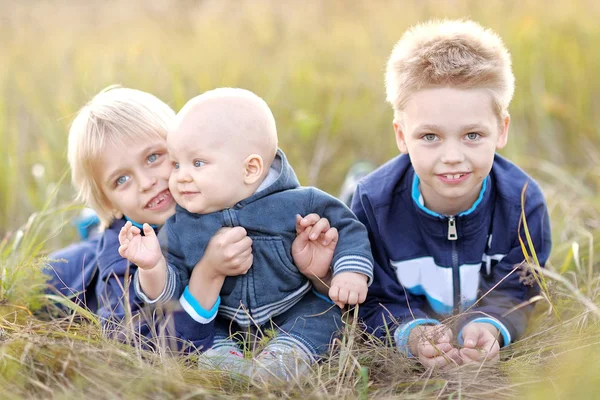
503 137
253 168
400 142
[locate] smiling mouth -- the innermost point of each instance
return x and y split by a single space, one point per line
159 199
453 176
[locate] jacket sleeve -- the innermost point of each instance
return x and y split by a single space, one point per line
353 250
71 272
389 309
122 317
509 285
177 276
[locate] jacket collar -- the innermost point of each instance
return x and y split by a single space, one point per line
468 223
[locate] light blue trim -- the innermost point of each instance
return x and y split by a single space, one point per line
500 326
479 199
416 195
205 315
403 332
138 225
322 296
436 305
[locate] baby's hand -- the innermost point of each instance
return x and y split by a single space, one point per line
229 252
348 288
431 345
480 343
314 246
143 251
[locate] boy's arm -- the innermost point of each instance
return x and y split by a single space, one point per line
389 309
509 285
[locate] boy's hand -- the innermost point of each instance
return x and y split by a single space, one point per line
143 251
431 345
228 253
480 343
348 288
314 246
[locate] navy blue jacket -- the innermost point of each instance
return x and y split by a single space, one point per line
93 274
421 275
273 284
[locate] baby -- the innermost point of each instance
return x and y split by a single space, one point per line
228 172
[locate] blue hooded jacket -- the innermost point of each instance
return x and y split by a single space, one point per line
273 284
430 266
93 274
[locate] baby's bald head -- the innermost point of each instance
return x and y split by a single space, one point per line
231 117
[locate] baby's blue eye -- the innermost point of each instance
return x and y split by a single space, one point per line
429 137
121 180
176 165
473 135
198 163
152 158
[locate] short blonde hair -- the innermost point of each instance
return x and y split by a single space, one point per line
117 116
454 53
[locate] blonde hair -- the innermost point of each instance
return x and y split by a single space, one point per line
117 116
460 54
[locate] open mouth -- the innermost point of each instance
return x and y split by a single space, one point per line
159 200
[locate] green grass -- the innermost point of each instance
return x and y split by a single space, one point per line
319 64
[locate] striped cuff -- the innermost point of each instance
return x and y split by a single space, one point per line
403 333
195 310
493 321
167 293
354 263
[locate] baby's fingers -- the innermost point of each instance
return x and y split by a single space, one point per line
331 236
353 297
322 225
123 250
148 231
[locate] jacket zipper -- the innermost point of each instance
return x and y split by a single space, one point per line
453 237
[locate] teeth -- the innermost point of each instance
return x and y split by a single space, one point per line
157 200
455 176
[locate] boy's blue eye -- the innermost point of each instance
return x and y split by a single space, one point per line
121 180
430 137
176 165
473 136
198 163
152 157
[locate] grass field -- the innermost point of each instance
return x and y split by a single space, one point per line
319 64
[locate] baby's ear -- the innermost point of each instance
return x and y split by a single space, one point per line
253 168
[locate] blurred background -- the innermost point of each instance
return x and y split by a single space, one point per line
319 64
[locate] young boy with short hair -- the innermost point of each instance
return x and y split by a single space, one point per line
228 172
444 218
117 152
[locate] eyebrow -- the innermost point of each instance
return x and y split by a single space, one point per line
433 127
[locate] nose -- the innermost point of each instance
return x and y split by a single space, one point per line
147 181
183 175
452 154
